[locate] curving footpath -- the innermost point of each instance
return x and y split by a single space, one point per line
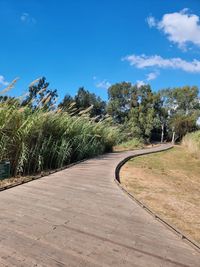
80 217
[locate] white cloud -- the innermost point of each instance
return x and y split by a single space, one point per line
140 83
180 28
27 18
103 84
151 21
144 61
152 76
3 81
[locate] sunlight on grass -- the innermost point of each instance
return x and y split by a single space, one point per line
169 183
129 145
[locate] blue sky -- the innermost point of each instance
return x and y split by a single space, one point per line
95 43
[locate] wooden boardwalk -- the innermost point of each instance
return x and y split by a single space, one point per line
80 217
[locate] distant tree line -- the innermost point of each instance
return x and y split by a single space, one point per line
139 112
168 113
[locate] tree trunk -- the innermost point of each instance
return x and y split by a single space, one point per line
173 138
162 134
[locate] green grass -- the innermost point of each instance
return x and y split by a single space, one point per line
129 145
155 162
40 140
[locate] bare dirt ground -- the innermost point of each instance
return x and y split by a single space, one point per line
169 184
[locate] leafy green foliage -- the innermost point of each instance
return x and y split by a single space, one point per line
36 135
119 103
154 116
183 100
66 103
83 100
183 108
138 108
145 116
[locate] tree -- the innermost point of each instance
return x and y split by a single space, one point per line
84 99
10 100
138 108
4 98
160 120
145 113
40 95
182 124
66 103
181 99
183 108
119 104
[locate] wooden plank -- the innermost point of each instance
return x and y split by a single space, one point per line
79 217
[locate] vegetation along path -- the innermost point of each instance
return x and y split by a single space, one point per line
80 217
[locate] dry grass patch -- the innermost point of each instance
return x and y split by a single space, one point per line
14 181
169 183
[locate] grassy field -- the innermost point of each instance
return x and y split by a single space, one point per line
129 145
168 183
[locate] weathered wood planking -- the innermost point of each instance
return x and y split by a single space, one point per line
79 217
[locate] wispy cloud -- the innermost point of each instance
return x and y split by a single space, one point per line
152 75
27 18
103 84
3 81
151 21
181 28
143 61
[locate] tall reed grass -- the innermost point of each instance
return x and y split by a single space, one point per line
38 140
192 142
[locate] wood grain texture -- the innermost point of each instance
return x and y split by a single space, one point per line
79 217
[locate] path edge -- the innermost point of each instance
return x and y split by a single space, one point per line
157 217
43 175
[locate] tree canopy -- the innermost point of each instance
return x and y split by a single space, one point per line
40 95
138 111
148 115
182 105
83 100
